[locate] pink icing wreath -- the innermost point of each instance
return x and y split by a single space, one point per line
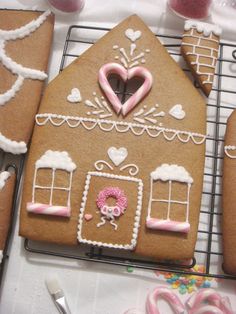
121 201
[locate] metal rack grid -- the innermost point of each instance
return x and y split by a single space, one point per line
208 253
7 163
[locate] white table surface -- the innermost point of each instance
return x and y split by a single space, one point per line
93 288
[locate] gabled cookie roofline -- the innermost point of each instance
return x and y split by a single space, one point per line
120 126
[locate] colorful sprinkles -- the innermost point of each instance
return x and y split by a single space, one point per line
187 283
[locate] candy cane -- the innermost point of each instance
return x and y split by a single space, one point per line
207 309
125 74
44 209
166 294
141 92
212 297
169 225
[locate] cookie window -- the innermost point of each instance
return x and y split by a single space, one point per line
52 184
169 196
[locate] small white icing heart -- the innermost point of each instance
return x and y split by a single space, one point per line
74 96
177 112
133 35
117 155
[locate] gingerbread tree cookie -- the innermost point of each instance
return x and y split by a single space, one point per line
113 171
25 39
200 47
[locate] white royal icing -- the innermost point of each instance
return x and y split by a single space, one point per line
13 147
228 149
133 242
133 35
120 126
208 52
3 178
206 28
177 112
117 155
74 96
149 115
17 69
1 256
171 172
56 160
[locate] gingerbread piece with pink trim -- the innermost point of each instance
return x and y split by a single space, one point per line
117 143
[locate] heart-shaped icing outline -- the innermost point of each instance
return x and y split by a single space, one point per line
125 74
112 153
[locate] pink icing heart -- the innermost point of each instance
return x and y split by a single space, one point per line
88 217
125 74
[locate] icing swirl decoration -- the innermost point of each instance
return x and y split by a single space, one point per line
17 69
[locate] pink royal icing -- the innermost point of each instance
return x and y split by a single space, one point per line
125 74
121 201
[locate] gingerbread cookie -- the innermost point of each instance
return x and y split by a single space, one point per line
25 38
199 48
229 198
7 184
123 173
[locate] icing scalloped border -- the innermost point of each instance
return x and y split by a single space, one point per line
121 127
133 243
10 146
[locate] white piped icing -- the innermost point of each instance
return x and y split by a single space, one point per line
206 28
117 155
208 53
1 256
231 148
168 174
132 244
171 172
56 160
177 112
17 69
120 126
13 147
3 178
74 96
52 161
133 35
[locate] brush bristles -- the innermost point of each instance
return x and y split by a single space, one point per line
53 285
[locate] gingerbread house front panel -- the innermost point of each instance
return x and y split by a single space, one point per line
112 172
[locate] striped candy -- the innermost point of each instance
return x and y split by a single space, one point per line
217 304
45 209
166 294
168 225
125 74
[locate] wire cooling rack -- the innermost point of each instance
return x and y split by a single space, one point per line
7 163
220 104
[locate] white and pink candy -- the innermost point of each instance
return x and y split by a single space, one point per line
45 209
125 74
